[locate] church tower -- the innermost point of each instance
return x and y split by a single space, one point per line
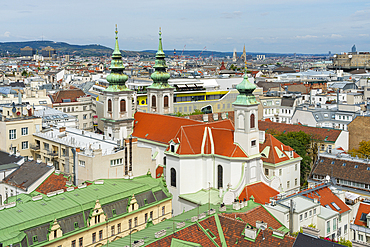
117 98
244 55
160 94
246 117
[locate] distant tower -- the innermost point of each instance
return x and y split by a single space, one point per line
117 98
235 57
160 94
246 117
244 55
354 49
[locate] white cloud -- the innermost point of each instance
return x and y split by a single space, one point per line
306 37
335 36
363 35
232 15
7 34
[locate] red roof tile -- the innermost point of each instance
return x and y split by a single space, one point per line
362 208
71 94
273 157
158 128
260 191
217 135
317 133
326 198
159 171
54 182
257 213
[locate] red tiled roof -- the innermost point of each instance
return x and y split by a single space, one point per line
260 191
158 128
317 133
159 172
257 213
233 230
71 94
233 233
362 208
327 197
220 134
273 157
54 182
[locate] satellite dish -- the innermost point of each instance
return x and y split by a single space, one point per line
28 107
25 112
14 109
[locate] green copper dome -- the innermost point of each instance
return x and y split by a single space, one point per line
246 89
116 78
160 76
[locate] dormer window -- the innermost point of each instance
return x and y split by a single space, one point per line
172 147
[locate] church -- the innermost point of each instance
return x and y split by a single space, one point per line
201 162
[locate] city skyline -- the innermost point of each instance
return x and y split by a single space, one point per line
283 27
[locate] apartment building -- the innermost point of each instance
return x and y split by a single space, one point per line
17 125
76 103
89 215
89 156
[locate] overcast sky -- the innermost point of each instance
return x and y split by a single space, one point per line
312 26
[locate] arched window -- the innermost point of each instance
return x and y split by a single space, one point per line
173 177
165 101
109 105
252 121
154 101
123 105
220 175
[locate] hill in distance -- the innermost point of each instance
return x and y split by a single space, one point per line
14 49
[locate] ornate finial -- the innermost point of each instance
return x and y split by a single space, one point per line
116 32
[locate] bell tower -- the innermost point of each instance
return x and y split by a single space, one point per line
117 98
246 117
160 94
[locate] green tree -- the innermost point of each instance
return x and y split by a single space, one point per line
344 242
363 151
24 73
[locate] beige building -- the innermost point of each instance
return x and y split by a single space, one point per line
352 60
91 156
16 127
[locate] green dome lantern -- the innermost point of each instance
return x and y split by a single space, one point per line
160 76
246 89
117 78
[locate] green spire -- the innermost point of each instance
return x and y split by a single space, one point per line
160 76
245 89
116 78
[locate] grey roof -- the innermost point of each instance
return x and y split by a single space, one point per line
27 174
287 102
304 240
6 158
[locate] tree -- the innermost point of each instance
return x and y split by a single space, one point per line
24 73
344 242
363 151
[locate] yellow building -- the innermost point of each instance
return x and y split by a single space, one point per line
90 215
16 127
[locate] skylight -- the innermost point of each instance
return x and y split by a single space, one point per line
356 166
332 162
368 169
335 206
344 164
327 206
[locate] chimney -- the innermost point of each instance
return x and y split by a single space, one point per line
62 129
250 232
310 231
261 224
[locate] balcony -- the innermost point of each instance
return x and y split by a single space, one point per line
52 153
35 147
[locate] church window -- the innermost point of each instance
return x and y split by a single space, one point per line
109 105
154 101
173 177
123 105
252 121
165 101
219 176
